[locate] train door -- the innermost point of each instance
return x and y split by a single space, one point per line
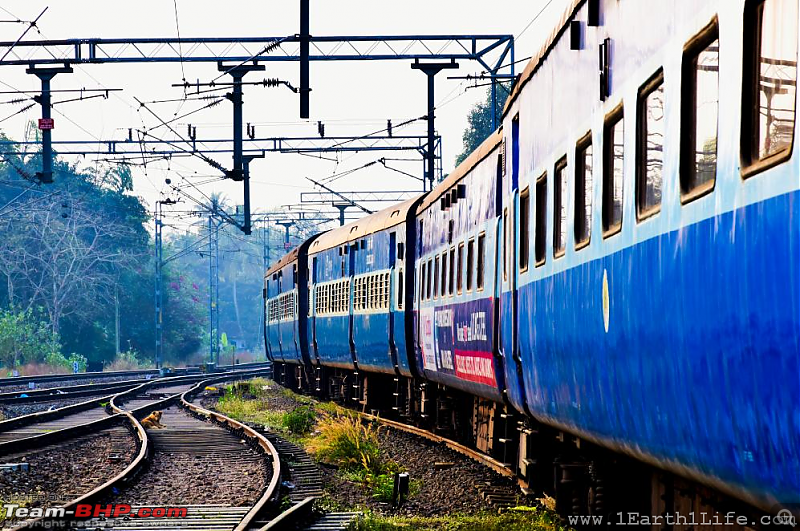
499 270
312 302
393 270
278 324
296 313
348 273
516 213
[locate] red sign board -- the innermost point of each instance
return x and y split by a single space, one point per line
46 123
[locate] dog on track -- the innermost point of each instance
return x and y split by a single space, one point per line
153 420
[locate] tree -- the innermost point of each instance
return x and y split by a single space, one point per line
59 255
480 121
24 338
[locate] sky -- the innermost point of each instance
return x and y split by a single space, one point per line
351 98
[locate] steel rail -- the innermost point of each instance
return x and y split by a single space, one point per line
271 492
58 393
485 460
24 380
131 419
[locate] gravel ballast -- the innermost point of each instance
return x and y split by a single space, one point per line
10 411
198 462
453 490
62 473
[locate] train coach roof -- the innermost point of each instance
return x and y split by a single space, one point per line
538 58
288 258
388 217
464 168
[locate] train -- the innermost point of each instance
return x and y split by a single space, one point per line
604 295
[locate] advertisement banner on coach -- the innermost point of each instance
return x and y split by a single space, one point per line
456 340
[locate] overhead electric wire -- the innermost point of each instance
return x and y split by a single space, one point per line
204 107
30 25
532 20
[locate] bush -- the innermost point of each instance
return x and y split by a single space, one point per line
301 420
346 442
26 338
383 487
127 361
56 359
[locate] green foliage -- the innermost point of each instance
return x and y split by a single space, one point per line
56 359
479 125
83 250
530 520
249 410
383 487
26 338
301 420
128 360
348 443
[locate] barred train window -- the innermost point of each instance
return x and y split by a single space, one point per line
422 281
460 269
650 145
470 263
481 260
583 190
699 113
428 288
560 209
400 287
451 283
613 171
524 228
770 77
436 277
540 243
444 273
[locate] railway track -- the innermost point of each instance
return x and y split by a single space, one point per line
22 384
225 474
223 449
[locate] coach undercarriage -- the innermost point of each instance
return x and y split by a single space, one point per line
573 475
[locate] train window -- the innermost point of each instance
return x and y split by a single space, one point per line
401 249
770 83
451 283
524 228
362 297
584 163
470 263
560 208
650 145
699 112
481 260
540 243
419 238
460 268
444 273
428 286
422 280
613 171
436 271
400 287
505 244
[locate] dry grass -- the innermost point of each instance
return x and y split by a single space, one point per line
38 369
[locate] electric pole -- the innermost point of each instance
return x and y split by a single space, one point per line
159 263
